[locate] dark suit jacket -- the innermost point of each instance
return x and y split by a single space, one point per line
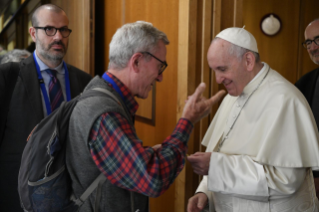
307 85
25 112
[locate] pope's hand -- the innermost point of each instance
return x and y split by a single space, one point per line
200 162
197 107
197 202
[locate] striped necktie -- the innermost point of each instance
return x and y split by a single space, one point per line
55 90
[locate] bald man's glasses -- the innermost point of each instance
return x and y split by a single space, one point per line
163 63
307 43
51 31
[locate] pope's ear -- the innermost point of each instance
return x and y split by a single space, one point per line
135 61
249 59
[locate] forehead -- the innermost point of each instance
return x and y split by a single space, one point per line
218 53
312 30
46 17
161 50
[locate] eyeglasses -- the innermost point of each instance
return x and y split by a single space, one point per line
307 43
163 66
51 31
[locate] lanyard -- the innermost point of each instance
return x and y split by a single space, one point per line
108 79
42 86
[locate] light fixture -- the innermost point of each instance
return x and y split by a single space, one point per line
270 24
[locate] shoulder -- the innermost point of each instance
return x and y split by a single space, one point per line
310 77
279 88
8 66
78 72
8 70
78 79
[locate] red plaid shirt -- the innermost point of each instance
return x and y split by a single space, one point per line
121 156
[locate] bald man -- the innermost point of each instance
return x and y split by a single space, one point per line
32 99
309 83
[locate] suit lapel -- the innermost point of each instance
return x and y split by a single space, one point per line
74 85
313 83
30 82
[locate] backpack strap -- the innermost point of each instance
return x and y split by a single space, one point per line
10 75
128 115
98 181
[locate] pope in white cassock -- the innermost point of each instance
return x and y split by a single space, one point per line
263 141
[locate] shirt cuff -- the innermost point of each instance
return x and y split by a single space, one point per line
184 126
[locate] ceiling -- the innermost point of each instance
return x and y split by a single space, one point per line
4 4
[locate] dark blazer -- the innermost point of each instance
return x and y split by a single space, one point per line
25 112
307 85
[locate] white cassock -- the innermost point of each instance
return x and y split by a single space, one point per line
265 162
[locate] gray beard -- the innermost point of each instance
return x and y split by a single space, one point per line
44 52
55 58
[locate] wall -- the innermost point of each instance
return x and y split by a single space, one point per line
283 52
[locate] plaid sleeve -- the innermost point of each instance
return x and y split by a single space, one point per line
120 155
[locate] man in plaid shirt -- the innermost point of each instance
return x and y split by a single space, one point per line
102 136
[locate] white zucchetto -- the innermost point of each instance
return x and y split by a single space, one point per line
239 37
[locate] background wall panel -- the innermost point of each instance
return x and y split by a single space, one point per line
283 52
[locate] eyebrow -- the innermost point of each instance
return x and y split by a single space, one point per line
221 67
56 27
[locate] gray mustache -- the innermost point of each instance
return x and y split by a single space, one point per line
314 51
58 43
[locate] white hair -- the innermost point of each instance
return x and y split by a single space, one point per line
15 55
132 38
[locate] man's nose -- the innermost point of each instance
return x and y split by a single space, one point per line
313 46
58 35
159 78
219 78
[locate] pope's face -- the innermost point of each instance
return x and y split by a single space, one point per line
311 33
229 70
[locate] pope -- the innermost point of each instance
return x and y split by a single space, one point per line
262 144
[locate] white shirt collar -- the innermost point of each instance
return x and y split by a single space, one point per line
254 82
259 73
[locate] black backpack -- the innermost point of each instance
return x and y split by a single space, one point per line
44 185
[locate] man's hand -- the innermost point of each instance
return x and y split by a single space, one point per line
200 162
197 107
197 202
